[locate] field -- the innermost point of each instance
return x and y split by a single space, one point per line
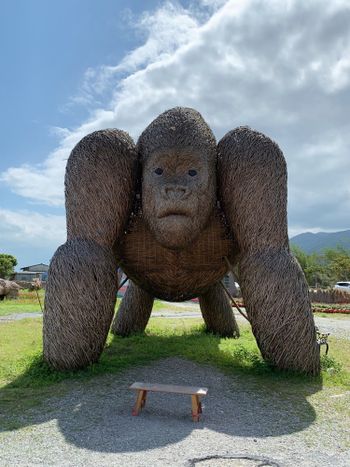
26 380
28 302
48 416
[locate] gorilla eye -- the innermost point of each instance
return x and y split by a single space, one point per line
192 172
158 171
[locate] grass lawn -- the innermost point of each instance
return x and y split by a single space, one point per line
26 380
159 306
339 316
27 302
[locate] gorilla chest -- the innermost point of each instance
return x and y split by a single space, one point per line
175 275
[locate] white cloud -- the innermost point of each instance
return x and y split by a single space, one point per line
167 29
28 227
281 67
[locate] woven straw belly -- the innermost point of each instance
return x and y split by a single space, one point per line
170 274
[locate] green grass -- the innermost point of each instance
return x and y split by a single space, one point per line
159 305
26 380
27 302
339 316
21 346
21 364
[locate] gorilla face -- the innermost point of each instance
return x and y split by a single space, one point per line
178 195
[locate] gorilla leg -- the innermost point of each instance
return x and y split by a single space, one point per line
133 312
82 284
253 191
217 312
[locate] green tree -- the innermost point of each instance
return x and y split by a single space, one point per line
301 256
7 264
338 263
326 268
314 266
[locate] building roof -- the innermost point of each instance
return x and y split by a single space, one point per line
27 273
32 265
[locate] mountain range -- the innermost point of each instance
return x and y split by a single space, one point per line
316 242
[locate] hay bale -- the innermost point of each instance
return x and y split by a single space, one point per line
329 296
8 289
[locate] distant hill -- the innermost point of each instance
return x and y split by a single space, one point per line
316 242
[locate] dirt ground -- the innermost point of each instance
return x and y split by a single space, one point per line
243 424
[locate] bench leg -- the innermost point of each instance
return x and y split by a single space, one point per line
140 402
196 408
143 402
199 405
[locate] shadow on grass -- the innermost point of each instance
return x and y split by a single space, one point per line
246 398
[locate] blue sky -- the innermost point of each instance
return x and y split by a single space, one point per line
71 67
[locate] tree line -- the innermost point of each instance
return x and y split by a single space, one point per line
320 269
7 265
326 268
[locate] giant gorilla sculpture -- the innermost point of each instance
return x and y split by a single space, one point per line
169 211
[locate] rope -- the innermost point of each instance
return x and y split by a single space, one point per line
121 285
234 303
37 294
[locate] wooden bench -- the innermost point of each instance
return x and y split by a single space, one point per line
195 392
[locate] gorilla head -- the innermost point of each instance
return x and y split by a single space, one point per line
178 155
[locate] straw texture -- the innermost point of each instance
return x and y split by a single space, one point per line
153 210
81 292
175 275
217 312
329 296
79 304
100 182
178 154
133 312
253 192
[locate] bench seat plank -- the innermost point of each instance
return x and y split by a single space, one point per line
171 388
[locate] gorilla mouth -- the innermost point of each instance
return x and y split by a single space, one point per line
173 213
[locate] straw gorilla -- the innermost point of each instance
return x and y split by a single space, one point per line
171 211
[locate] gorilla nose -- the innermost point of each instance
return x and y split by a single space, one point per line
175 192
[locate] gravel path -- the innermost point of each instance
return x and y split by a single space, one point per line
19 316
242 424
337 327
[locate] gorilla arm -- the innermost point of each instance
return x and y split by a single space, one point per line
82 285
252 182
